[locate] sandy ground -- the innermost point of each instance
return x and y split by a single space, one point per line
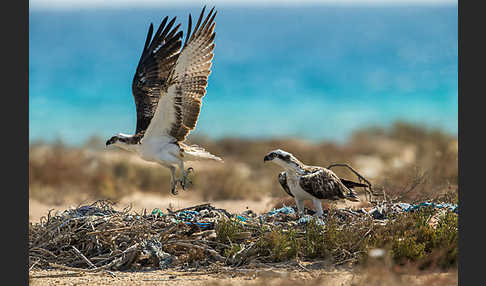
235 277
159 277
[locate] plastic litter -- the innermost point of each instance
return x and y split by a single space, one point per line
153 249
450 207
283 210
305 219
187 215
242 218
157 212
97 230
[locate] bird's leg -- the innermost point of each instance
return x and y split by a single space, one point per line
173 182
318 207
300 206
185 175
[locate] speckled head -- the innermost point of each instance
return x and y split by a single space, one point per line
124 141
112 140
282 158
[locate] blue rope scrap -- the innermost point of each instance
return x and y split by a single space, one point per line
157 212
453 208
187 215
283 210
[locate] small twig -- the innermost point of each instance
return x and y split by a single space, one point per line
83 257
418 179
204 242
104 267
110 230
33 264
302 266
190 208
45 251
370 189
364 235
110 273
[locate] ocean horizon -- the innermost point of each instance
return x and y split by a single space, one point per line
316 73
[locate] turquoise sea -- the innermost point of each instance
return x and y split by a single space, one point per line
316 73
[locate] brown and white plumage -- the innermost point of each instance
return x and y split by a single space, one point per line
158 58
310 182
178 111
168 87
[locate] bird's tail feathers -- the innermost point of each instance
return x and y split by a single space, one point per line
194 152
351 184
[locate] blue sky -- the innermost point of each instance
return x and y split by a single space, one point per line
76 4
366 66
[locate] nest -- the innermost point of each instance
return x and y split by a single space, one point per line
97 237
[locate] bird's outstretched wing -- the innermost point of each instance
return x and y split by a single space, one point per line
158 58
282 179
323 184
178 110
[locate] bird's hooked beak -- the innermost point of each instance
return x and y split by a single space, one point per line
111 141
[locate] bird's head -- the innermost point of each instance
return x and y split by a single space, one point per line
283 159
123 141
112 140
119 140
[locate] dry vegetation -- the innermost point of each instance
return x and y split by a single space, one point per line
98 237
409 162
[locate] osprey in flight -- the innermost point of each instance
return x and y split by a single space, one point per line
168 87
310 182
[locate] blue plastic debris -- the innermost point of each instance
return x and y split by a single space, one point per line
434 205
187 215
201 224
305 219
404 206
157 212
283 210
242 218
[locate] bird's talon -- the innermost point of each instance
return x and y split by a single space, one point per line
184 181
173 188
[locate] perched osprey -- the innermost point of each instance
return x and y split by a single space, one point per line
310 182
168 87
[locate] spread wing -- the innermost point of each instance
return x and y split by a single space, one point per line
178 110
323 184
159 55
282 179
